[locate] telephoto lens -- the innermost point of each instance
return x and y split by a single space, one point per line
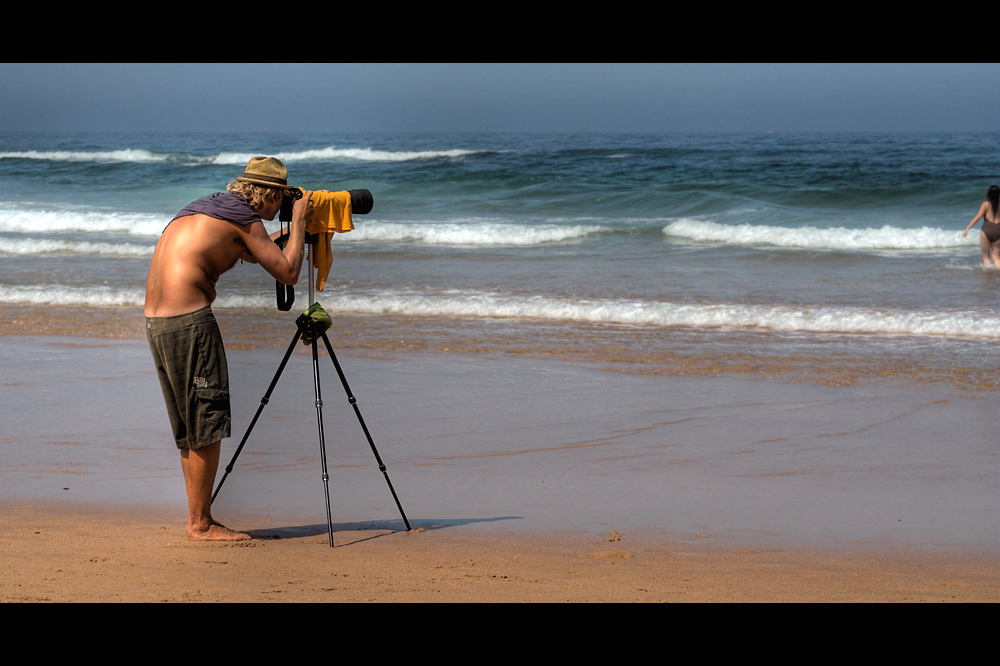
361 201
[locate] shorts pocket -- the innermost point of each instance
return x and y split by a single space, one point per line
212 419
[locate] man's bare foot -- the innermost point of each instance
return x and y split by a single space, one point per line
216 532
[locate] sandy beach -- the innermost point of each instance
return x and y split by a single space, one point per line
524 480
71 553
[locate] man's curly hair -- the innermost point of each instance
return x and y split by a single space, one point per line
256 195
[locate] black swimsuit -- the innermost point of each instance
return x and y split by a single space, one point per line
991 230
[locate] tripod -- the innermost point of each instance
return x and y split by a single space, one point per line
308 326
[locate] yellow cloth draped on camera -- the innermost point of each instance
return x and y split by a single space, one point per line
331 214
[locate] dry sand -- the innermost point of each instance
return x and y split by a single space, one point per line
74 553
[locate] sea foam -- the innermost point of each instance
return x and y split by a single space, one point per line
331 153
473 233
472 304
466 233
124 155
35 246
29 220
886 238
666 314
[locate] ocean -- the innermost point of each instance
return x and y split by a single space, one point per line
830 257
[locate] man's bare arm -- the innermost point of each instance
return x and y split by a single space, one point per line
283 266
249 258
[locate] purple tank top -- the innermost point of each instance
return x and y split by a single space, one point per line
223 206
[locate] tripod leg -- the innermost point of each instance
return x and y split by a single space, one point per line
354 403
322 439
263 402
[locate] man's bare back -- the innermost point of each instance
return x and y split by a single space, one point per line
194 251
189 258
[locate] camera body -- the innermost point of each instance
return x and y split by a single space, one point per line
291 196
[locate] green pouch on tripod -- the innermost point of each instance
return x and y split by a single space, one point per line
321 322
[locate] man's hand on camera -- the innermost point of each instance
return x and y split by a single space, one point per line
302 210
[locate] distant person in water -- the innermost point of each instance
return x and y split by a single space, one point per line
989 237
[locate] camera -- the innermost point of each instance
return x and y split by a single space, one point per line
361 204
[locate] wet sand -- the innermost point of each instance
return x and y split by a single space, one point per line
523 480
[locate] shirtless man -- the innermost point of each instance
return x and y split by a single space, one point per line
201 243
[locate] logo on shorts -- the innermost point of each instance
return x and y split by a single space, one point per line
200 382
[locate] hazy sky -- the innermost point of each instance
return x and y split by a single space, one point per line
500 97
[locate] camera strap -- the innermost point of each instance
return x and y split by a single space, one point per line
286 296
285 292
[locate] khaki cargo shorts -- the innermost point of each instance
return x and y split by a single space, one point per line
191 366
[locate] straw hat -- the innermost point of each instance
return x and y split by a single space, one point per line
267 171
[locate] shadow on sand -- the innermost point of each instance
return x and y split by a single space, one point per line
348 533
